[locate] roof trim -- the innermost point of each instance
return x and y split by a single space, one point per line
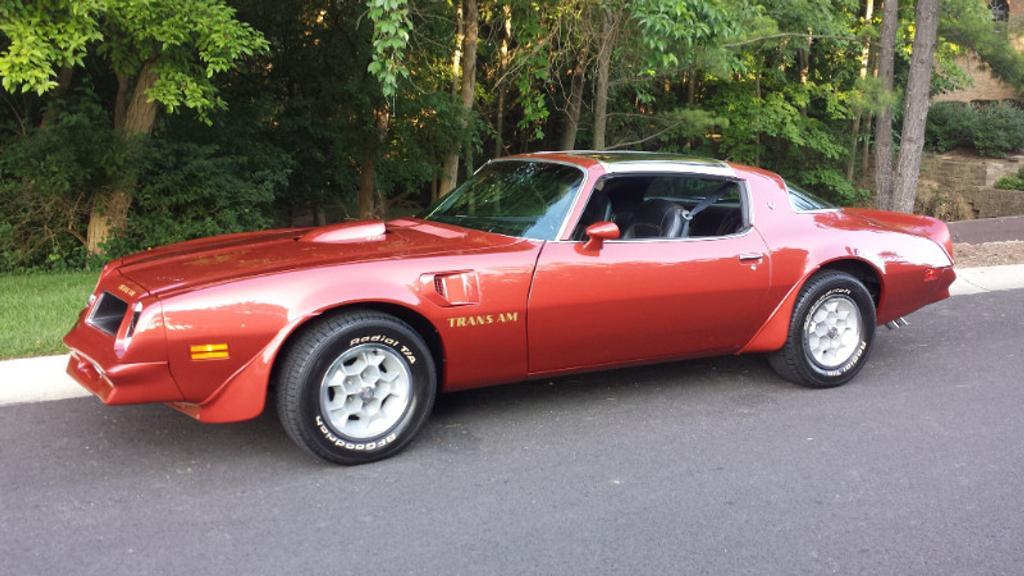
636 161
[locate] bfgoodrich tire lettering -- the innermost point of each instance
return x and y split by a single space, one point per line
338 347
830 332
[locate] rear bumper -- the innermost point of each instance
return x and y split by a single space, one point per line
912 290
940 279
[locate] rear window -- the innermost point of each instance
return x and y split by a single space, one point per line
804 201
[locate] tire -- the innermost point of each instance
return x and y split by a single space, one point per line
825 348
356 387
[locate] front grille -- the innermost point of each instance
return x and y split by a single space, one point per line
108 313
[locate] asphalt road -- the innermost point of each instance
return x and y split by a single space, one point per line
704 467
988 230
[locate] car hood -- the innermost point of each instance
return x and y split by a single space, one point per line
230 257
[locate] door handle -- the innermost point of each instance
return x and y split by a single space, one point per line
751 256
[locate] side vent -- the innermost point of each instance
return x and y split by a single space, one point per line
451 288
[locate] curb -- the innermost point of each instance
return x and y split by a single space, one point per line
36 380
43 378
987 279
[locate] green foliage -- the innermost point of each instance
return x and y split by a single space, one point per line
968 23
670 28
998 130
188 42
950 125
1012 182
45 181
391 26
189 191
993 130
43 36
294 101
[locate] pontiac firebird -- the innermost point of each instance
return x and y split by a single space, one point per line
539 265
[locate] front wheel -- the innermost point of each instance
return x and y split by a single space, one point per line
830 332
356 387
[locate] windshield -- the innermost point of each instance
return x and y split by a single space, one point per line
516 198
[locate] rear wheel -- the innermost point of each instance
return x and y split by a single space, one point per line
830 332
356 387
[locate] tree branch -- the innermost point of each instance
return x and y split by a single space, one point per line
786 35
646 138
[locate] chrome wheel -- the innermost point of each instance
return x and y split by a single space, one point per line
365 391
832 331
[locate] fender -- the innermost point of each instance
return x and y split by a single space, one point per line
772 335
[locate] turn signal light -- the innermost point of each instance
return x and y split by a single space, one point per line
209 351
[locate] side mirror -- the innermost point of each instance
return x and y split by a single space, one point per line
598 232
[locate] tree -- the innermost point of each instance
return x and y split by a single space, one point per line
163 53
915 111
883 121
467 68
610 22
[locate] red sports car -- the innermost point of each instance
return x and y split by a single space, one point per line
540 264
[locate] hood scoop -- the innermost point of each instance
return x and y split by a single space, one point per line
359 231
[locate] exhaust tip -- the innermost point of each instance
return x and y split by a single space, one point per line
897 323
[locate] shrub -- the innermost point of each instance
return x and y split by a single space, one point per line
1012 182
50 175
187 191
998 130
949 126
993 130
47 176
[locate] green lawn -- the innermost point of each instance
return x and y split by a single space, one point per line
36 311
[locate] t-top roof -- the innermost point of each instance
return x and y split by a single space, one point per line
640 161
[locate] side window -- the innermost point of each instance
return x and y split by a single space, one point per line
666 206
803 201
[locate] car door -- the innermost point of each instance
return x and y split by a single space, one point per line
636 300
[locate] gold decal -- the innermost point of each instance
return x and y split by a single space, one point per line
126 290
483 319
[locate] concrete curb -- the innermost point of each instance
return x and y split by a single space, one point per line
43 378
37 380
987 279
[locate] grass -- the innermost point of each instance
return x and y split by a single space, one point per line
36 310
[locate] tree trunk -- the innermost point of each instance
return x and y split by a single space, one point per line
450 172
883 122
865 150
757 136
109 210
499 129
367 192
865 54
141 112
604 58
64 77
915 112
574 104
367 181
124 88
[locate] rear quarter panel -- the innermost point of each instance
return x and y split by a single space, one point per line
803 243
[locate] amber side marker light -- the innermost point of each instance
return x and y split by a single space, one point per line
209 351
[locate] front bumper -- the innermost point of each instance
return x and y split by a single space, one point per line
136 383
113 378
